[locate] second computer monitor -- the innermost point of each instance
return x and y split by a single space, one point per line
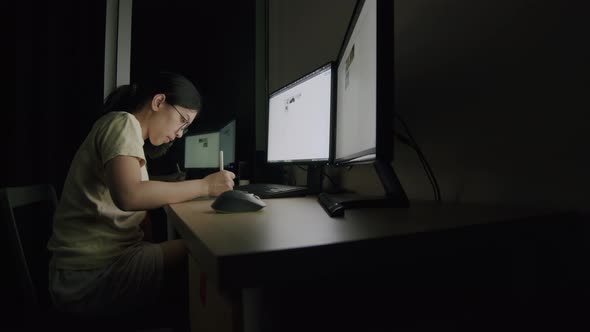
202 150
365 88
299 116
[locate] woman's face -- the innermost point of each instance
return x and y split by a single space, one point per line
170 123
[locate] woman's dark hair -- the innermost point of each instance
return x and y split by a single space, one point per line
129 98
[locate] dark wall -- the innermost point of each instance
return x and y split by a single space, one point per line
58 64
213 44
304 35
495 92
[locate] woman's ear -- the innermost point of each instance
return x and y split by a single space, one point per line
158 101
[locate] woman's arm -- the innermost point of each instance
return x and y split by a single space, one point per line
130 193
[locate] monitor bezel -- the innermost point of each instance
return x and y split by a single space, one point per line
309 162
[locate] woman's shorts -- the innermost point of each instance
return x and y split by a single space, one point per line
131 283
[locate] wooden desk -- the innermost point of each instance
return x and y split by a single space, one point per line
293 239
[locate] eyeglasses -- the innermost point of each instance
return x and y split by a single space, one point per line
185 121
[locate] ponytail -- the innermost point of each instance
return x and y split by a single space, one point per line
122 99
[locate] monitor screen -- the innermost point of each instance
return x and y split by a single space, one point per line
299 117
356 106
227 142
202 150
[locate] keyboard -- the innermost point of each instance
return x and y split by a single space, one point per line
271 190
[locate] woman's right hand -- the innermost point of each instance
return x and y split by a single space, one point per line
220 182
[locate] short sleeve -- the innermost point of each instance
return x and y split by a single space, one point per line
120 136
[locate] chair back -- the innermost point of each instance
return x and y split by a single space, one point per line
27 223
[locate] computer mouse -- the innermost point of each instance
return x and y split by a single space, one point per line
237 201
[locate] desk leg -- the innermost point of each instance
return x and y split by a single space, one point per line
170 231
251 307
209 309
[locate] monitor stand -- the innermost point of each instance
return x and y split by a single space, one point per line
273 190
395 196
315 177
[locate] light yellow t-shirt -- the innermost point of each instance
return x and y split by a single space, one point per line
89 230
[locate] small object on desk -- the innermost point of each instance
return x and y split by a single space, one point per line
237 201
221 160
332 207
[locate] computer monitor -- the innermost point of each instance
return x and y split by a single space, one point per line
300 124
227 143
299 119
364 129
201 151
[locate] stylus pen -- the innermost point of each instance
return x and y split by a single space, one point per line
220 160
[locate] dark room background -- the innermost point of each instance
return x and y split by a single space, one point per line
58 64
494 91
213 44
59 69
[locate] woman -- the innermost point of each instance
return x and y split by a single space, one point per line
100 263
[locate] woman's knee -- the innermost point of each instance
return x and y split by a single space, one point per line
175 254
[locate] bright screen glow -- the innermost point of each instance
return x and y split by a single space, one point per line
299 119
356 89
